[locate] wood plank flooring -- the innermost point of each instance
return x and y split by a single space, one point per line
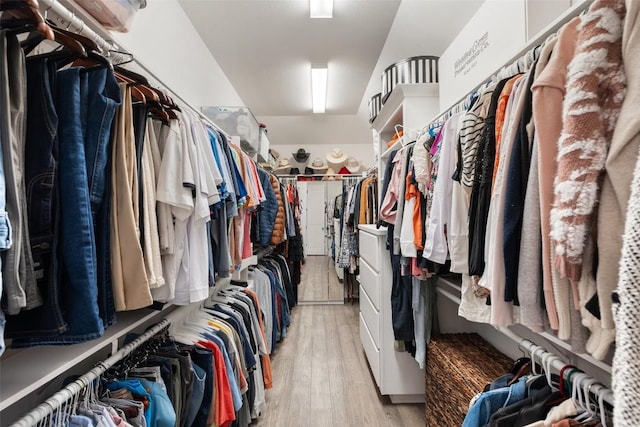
319 281
321 376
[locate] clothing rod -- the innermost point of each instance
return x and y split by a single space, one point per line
531 45
539 354
59 399
79 26
76 24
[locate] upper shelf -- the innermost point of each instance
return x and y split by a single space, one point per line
396 145
25 371
391 112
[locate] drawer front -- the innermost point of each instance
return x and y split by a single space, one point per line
371 315
373 354
371 282
370 249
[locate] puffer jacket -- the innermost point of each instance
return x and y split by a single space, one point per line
268 210
278 234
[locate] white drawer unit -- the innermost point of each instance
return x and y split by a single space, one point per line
370 249
370 349
370 283
397 374
371 316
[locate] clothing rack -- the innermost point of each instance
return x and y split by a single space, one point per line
68 19
522 61
549 360
71 392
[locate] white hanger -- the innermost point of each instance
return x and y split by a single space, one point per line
535 349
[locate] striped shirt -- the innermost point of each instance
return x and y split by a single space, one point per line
470 133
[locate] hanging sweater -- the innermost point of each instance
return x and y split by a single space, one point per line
549 92
626 372
616 187
595 91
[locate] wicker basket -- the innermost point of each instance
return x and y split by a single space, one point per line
375 104
458 367
418 69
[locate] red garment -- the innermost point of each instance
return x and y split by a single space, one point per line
224 413
344 171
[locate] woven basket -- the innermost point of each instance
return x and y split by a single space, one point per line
459 366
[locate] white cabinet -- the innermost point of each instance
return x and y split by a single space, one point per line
396 373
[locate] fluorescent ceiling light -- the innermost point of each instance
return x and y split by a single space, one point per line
319 89
321 8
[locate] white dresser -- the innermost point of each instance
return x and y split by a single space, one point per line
396 373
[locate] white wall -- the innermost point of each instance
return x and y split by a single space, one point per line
319 134
421 27
163 39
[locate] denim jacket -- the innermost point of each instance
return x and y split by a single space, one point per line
490 401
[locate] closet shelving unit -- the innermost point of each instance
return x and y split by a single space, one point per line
409 107
23 372
397 374
507 339
29 376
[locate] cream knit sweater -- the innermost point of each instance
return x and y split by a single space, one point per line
595 91
626 362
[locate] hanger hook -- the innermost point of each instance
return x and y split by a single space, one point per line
534 350
603 413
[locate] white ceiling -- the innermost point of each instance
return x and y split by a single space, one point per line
265 47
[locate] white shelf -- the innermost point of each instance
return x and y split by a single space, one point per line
391 112
24 371
396 145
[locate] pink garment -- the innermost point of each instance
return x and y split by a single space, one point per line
548 93
388 208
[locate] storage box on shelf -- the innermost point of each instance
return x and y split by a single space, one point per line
237 121
397 374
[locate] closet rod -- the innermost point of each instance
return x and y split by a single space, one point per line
539 354
68 393
522 54
79 26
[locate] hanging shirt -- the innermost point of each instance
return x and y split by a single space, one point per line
408 248
436 246
388 207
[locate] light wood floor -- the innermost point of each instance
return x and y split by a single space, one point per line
319 281
321 376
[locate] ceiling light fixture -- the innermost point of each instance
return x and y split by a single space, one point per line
321 8
319 89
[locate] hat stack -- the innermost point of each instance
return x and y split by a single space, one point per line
301 156
336 159
319 166
283 168
353 165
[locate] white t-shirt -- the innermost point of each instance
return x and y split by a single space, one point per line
171 192
192 283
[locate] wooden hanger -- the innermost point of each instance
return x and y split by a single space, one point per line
25 11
